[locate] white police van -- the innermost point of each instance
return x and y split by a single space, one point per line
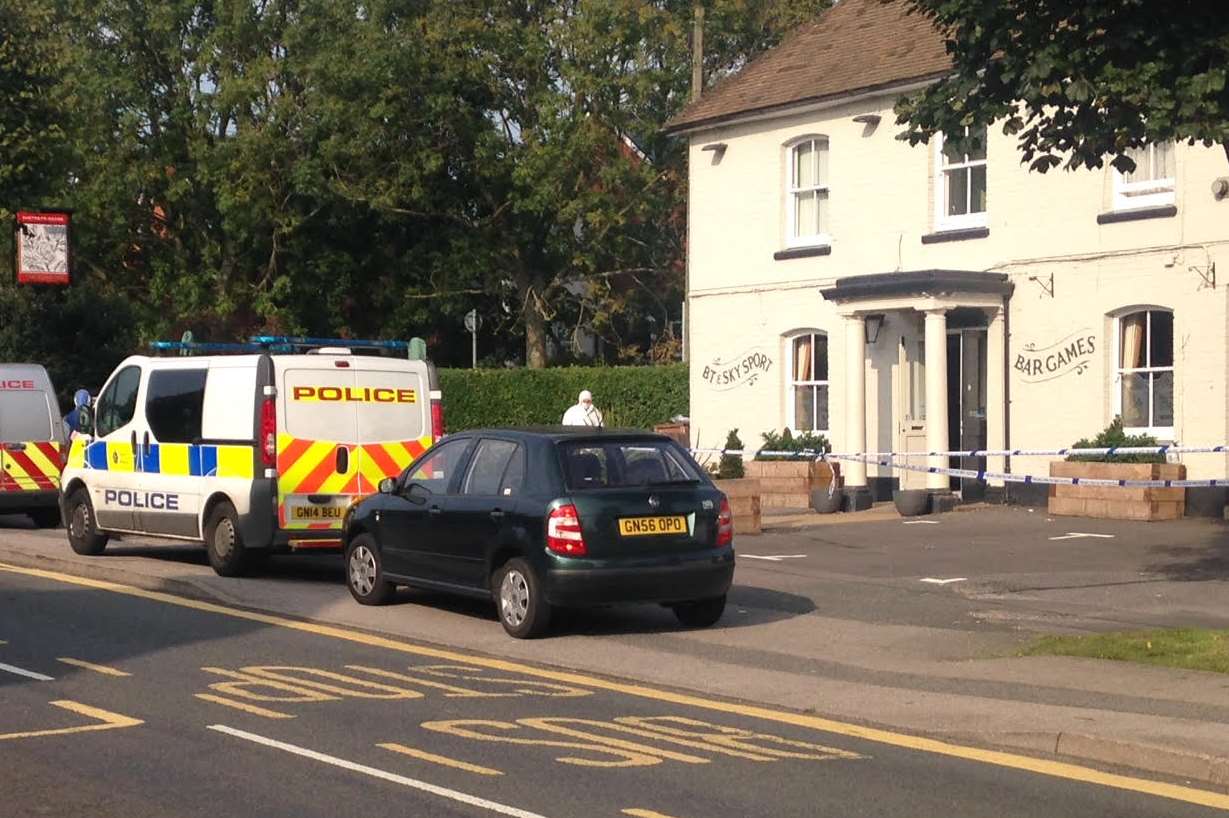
249 448
32 444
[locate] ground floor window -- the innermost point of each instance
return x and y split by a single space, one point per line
1144 394
808 386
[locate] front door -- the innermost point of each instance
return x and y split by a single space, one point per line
966 410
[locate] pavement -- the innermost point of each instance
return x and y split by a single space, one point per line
835 618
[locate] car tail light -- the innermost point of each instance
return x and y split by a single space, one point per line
563 532
268 432
725 524
437 419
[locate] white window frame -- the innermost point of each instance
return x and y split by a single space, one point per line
792 190
1150 192
968 220
791 384
1163 433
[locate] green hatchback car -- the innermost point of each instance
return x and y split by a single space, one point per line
546 519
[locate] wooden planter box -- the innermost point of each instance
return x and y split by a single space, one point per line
788 483
1114 502
744 497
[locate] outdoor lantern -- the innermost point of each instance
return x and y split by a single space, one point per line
874 323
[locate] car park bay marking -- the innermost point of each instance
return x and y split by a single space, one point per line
107 719
644 813
423 755
29 674
935 581
773 557
920 522
412 783
103 669
1076 535
1015 761
246 708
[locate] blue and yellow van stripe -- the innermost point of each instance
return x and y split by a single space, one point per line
171 459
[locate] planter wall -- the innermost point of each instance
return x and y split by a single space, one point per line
744 497
1118 503
788 483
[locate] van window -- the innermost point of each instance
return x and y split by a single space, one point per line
319 406
173 404
118 402
393 408
24 415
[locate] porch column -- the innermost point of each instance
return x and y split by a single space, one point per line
936 396
855 411
996 391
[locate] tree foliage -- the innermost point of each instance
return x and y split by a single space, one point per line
1078 81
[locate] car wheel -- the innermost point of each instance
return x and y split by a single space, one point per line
701 613
365 572
45 517
523 609
227 554
83 536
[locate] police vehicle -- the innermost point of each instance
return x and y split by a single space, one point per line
32 444
249 448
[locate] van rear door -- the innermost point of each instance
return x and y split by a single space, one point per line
394 417
30 440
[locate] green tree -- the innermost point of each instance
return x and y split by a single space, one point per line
1078 80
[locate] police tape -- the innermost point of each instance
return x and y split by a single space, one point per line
814 454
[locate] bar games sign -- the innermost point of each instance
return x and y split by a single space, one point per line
1070 354
42 249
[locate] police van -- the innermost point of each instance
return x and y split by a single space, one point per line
32 444
249 448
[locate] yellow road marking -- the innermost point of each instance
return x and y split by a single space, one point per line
103 669
246 708
644 813
110 721
1055 769
423 755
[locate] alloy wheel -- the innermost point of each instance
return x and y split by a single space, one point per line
362 570
514 598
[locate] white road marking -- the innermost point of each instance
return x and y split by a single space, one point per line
773 557
1075 535
920 522
443 792
934 581
30 674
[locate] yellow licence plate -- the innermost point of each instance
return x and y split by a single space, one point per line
637 526
317 512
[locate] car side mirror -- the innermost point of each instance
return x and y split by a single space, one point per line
388 485
416 493
85 420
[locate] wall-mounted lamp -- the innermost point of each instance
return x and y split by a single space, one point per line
869 122
873 323
718 149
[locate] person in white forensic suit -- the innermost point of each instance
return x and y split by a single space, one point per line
584 413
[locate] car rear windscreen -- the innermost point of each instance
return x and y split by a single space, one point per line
625 464
24 416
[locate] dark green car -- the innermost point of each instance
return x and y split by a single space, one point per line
546 519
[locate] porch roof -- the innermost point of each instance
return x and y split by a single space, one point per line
917 283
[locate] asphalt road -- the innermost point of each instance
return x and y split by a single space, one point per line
140 703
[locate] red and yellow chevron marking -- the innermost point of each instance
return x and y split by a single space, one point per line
310 467
34 468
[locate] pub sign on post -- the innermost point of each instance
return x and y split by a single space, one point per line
42 247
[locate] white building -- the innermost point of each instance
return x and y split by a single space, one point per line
841 281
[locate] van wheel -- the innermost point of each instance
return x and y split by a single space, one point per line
83 535
227 554
701 613
45 517
523 609
365 572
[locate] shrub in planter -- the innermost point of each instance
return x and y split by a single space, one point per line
804 445
731 465
1118 502
787 479
1114 435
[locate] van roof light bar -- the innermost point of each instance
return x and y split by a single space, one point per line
348 343
203 346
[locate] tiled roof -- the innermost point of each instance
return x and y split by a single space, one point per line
857 45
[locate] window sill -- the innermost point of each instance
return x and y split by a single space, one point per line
803 252
1137 214
956 234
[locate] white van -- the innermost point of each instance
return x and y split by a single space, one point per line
32 444
246 452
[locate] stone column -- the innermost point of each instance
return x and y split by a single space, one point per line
936 396
857 495
996 391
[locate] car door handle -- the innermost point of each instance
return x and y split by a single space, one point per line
435 511
497 514
145 441
343 460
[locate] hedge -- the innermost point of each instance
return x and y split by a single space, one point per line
628 396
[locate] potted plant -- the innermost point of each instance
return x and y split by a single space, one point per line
790 475
742 492
1117 502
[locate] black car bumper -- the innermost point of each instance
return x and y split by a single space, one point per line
678 579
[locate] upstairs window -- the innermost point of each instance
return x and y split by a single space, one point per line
1151 184
807 197
807 400
960 183
1144 396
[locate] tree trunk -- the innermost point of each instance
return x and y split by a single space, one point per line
530 287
